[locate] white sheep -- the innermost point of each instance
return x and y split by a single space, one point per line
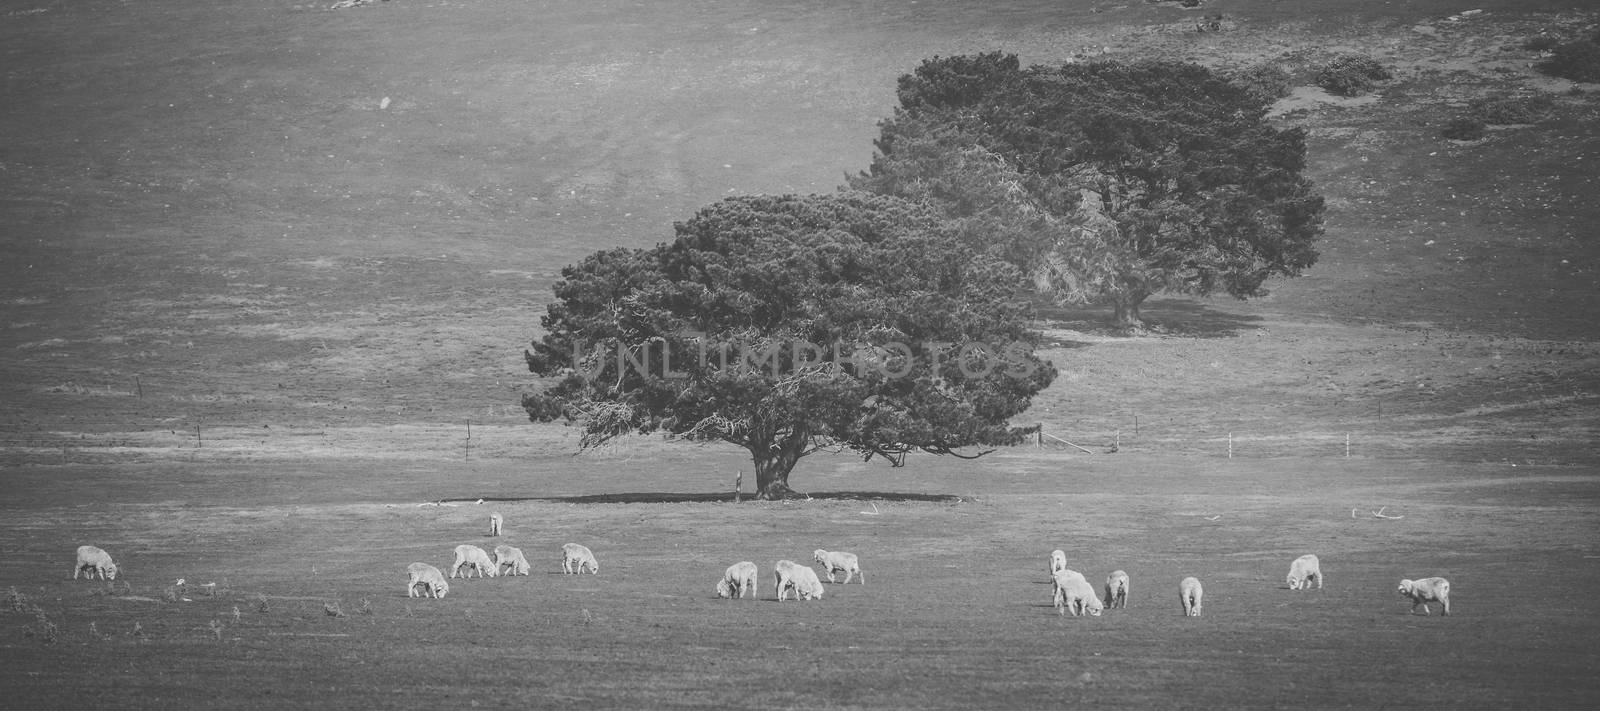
1190 594
837 561
429 577
495 524
574 557
1302 570
1071 592
476 558
738 581
1058 561
1117 589
1425 591
94 560
510 557
789 575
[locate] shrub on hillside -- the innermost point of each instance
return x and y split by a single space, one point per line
1269 81
1464 128
1578 61
1541 43
1505 110
1351 74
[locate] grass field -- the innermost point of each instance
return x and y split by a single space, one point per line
266 271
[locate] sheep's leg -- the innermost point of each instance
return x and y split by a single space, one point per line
1446 603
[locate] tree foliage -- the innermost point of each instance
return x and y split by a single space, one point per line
787 325
1106 181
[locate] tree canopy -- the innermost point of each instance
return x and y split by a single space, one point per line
792 324
1106 181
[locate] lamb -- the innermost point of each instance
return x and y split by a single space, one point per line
1189 594
94 560
1302 570
789 575
470 555
1058 561
1073 593
1117 589
510 557
495 523
738 581
836 561
1425 591
429 578
574 557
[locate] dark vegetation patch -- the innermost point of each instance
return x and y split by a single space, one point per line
1578 60
1351 74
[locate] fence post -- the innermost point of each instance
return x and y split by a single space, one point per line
1230 445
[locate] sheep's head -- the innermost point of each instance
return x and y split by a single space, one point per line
1406 587
723 590
441 588
819 555
111 571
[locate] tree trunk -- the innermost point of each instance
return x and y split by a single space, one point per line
1127 311
773 462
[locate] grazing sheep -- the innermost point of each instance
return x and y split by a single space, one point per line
94 560
1190 593
432 581
738 581
510 557
1058 561
1073 593
837 561
789 575
470 555
1302 570
495 523
1425 591
574 557
1117 589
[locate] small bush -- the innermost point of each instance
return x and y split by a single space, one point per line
1540 43
1351 74
1269 81
1464 128
1505 110
1578 61
44 628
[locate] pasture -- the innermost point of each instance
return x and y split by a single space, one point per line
956 613
268 269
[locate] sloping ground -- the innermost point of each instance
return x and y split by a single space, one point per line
216 271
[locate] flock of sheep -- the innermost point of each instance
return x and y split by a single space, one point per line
1073 594
1071 591
427 581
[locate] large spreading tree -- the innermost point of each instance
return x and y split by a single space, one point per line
786 325
1107 182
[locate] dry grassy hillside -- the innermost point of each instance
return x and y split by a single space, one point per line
280 216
